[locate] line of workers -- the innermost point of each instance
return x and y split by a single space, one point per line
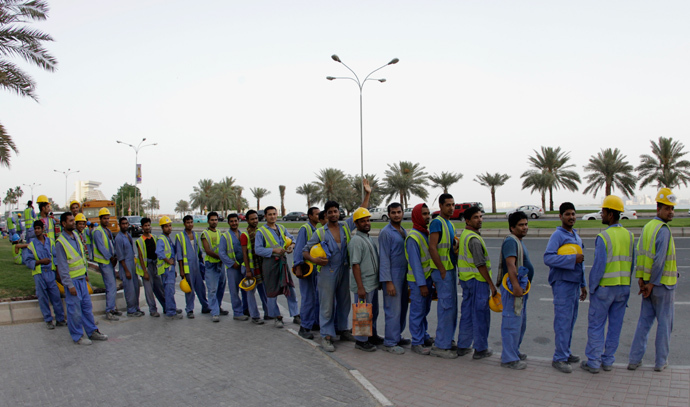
333 258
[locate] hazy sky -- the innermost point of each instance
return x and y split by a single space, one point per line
230 88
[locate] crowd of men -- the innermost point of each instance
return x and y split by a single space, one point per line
335 261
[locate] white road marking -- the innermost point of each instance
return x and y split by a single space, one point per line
370 387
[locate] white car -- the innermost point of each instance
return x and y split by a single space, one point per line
532 211
379 214
407 214
597 215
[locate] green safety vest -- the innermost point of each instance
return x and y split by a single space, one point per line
182 238
141 244
17 256
646 250
321 232
307 227
269 240
213 239
75 261
230 246
32 247
466 268
250 253
423 244
162 265
620 243
28 218
446 244
98 257
10 223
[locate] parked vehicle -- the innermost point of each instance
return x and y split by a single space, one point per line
200 219
407 214
295 216
597 215
532 211
90 209
460 209
261 215
135 226
242 216
379 214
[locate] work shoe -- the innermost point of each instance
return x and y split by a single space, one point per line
116 312
515 365
240 318
573 359
257 321
634 366
562 366
606 368
50 325
215 318
98 336
155 314
297 320
327 344
268 318
464 351
365 346
61 323
522 356
443 353
586 367
178 310
375 340
429 342
483 354
396 350
172 317
206 311
224 312
190 315
346 335
453 346
660 368
84 340
304 333
111 317
420 350
316 327
278 323
404 342
246 312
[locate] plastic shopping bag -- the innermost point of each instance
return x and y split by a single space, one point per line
362 316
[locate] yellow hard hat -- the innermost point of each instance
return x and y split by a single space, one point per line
307 268
103 212
569 248
164 221
80 218
88 285
613 202
505 279
248 283
457 250
666 197
360 213
317 251
19 215
61 288
184 286
495 303
74 202
41 199
288 242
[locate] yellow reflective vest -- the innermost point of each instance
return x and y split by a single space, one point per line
620 244
423 244
466 268
646 251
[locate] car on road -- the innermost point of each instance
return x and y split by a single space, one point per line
379 214
135 226
459 209
532 211
200 218
261 215
407 214
597 215
294 216
241 216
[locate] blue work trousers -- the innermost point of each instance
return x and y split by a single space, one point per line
372 298
419 309
512 326
395 311
293 307
607 303
475 315
659 306
566 295
215 284
47 292
79 310
169 289
153 288
234 278
131 288
251 298
309 307
334 299
447 307
196 282
108 273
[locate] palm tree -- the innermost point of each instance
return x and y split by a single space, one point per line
258 194
492 181
153 204
223 193
18 193
537 181
609 169
281 188
444 180
20 41
333 185
310 191
664 167
405 179
554 162
202 196
239 201
182 207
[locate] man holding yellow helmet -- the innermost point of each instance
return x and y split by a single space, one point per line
165 250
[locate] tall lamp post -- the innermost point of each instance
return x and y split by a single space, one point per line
136 166
360 85
66 174
32 188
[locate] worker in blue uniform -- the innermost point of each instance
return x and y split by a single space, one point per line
165 251
124 249
104 255
419 267
393 277
187 252
230 252
567 280
309 298
214 273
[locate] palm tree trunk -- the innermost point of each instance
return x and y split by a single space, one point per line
493 200
258 204
551 198
608 188
543 199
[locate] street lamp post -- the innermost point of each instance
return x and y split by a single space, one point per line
66 174
360 85
32 188
136 165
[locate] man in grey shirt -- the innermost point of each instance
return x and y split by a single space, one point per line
364 259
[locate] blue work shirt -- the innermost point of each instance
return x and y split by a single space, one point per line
99 243
338 258
415 259
510 249
663 237
297 256
160 250
124 248
60 258
236 246
564 267
437 227
599 264
193 248
259 245
392 261
43 251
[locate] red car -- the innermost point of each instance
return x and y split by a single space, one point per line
242 217
459 209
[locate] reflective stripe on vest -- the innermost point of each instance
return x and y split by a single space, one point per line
230 245
424 255
98 257
309 229
75 261
269 238
10 223
162 265
466 267
213 245
182 238
321 232
141 244
37 269
646 251
445 244
250 255
619 244
17 256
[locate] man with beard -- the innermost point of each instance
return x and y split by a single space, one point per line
252 268
187 250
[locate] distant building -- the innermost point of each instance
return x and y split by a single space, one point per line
87 191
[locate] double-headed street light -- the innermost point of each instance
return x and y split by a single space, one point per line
66 174
360 85
32 188
136 165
